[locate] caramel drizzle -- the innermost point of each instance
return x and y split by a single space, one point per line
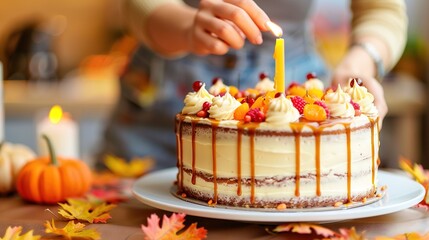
372 152
214 127
179 142
297 128
194 175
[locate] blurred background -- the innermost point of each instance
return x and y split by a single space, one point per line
71 53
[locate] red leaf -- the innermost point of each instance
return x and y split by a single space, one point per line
170 228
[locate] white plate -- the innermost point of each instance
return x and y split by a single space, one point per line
154 190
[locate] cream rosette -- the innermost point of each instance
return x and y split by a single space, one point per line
265 85
223 107
194 100
217 87
314 83
365 99
339 105
281 111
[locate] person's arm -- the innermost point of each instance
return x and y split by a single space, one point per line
379 31
172 28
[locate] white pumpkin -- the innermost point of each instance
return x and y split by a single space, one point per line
12 158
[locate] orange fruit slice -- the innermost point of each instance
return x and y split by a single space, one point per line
313 112
241 111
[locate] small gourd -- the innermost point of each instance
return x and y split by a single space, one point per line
52 179
12 158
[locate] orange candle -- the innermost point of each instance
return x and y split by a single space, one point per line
279 57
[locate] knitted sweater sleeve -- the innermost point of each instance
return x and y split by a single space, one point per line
383 19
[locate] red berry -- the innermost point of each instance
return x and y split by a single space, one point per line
249 100
278 94
197 85
238 95
216 79
311 75
357 80
292 84
356 105
323 104
256 115
263 75
206 106
299 103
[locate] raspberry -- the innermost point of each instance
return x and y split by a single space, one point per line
323 104
255 114
299 103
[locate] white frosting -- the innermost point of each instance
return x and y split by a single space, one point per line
360 95
194 100
265 85
339 105
216 88
281 111
313 83
223 108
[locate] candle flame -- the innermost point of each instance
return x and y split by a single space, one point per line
55 114
275 29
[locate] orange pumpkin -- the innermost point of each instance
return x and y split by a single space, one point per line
50 179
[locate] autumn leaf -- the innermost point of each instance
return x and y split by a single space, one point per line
420 175
72 230
351 234
14 233
406 236
135 168
81 209
304 228
172 228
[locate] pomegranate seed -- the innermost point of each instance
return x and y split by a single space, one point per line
278 95
247 118
197 85
263 75
250 101
357 80
206 106
311 75
215 80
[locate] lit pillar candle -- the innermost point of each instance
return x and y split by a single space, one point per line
279 57
62 131
1 104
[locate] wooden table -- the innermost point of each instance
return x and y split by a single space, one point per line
128 217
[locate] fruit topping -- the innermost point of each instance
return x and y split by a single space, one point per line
356 106
278 94
356 80
202 113
315 93
299 103
215 80
197 85
311 75
292 84
206 106
297 91
248 100
314 112
241 111
263 75
323 104
254 115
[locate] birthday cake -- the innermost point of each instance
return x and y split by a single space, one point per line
260 148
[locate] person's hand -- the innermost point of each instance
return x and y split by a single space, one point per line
223 24
374 87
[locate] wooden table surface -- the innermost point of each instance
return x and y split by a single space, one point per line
128 217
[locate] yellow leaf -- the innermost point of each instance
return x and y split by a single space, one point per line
72 230
81 209
304 228
135 168
406 236
416 170
13 233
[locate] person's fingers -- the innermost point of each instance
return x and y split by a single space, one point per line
254 11
238 15
224 30
205 43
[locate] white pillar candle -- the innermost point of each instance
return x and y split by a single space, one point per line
62 131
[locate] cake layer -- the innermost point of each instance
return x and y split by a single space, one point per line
258 164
